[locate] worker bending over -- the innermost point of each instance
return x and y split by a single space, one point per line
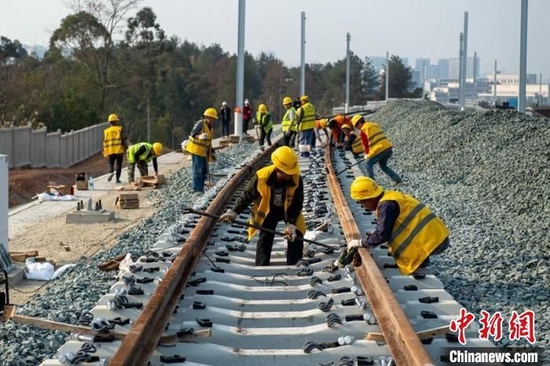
141 154
321 125
377 146
351 142
278 195
411 229
335 124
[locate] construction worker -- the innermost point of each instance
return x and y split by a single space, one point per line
335 124
377 146
288 123
411 229
321 125
141 154
351 141
114 145
247 115
263 119
278 195
225 118
305 116
200 147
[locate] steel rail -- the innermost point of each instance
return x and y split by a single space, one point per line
141 341
404 344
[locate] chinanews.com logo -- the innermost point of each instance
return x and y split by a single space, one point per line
519 326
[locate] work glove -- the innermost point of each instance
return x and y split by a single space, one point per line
203 136
228 217
290 232
355 243
338 264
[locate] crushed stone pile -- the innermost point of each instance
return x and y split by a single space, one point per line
488 176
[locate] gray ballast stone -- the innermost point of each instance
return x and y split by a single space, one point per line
488 177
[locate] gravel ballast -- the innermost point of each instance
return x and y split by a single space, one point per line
486 175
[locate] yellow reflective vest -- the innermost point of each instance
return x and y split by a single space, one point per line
356 145
416 233
306 117
261 205
130 154
112 141
261 120
201 147
287 123
378 141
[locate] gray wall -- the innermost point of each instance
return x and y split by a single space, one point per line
37 148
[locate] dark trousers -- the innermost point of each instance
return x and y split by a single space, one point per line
265 244
225 128
200 172
265 136
245 125
116 158
287 138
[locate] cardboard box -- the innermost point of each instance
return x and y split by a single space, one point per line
63 189
127 201
81 185
153 181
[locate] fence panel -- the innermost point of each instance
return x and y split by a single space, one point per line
53 149
22 146
38 148
6 143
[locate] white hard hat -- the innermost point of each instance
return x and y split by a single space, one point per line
224 103
246 101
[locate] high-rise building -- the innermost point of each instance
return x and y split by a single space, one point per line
443 65
454 65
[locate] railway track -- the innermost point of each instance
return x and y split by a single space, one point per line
198 299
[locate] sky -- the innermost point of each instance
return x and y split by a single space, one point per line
407 28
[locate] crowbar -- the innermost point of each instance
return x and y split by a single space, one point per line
351 166
243 223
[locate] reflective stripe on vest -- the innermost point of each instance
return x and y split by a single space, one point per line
261 117
144 157
416 233
356 145
378 141
261 205
287 123
308 117
112 141
200 147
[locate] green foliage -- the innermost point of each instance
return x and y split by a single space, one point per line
72 113
400 80
11 50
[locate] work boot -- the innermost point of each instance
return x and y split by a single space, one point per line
111 175
118 181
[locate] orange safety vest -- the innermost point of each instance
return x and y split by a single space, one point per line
261 205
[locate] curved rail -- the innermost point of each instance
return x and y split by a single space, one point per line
140 342
404 344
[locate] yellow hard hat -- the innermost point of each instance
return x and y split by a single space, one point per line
323 123
211 112
112 118
346 127
157 148
364 188
262 108
285 159
356 119
287 100
304 98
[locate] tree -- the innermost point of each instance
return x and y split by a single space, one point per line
11 50
370 78
400 80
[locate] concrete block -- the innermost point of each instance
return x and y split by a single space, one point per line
89 217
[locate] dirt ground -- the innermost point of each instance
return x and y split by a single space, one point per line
52 236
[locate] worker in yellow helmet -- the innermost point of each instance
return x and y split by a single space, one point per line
305 116
321 125
141 154
378 148
278 195
288 123
200 147
263 119
114 145
411 229
351 141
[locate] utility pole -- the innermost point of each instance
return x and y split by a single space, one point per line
240 72
348 40
303 56
495 82
464 63
460 61
387 76
522 57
